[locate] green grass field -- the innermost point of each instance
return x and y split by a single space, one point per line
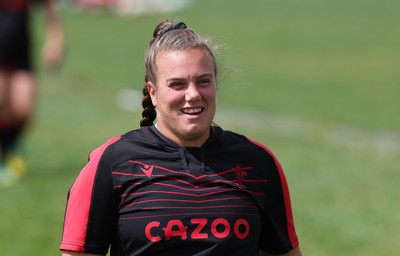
315 81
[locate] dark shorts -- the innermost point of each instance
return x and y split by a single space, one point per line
15 45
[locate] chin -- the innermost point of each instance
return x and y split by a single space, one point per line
194 133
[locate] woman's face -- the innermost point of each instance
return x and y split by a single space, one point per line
185 95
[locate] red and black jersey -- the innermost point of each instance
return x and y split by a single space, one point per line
144 195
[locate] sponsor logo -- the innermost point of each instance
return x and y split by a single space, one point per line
198 228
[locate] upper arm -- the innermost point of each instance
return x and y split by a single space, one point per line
278 232
89 221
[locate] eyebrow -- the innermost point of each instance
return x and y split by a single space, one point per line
197 77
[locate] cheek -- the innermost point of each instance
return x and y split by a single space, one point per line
210 94
170 100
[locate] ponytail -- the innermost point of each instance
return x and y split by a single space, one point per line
149 112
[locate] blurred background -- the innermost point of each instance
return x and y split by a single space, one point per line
317 82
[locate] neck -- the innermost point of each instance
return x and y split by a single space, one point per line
184 140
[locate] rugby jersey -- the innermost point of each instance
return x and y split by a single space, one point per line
145 195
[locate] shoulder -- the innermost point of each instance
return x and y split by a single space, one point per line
245 147
233 138
227 137
117 146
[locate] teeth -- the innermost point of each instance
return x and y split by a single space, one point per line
192 110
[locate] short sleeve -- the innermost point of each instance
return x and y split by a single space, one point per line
278 234
90 216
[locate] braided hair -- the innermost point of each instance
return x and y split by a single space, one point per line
168 36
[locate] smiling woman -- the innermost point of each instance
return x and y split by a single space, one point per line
184 96
181 186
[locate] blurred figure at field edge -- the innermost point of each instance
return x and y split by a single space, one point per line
17 79
183 185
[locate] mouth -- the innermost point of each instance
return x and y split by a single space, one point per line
192 111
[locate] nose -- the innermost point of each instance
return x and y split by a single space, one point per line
192 93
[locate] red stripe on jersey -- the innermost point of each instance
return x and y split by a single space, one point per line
78 207
288 207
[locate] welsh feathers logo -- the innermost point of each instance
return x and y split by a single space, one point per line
240 173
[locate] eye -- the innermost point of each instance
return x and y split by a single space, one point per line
204 82
177 85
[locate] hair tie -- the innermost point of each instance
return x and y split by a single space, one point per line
173 26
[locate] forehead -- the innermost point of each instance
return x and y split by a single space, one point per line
188 61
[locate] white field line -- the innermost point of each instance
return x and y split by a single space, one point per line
382 142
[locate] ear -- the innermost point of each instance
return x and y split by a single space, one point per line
151 88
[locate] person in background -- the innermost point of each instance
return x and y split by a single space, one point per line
17 77
180 184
